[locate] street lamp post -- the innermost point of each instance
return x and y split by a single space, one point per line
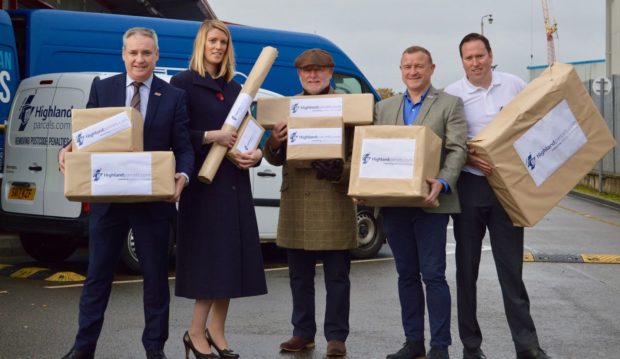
489 19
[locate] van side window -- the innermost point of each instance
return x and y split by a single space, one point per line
349 84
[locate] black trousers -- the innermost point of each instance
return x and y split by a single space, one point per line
107 234
336 266
480 210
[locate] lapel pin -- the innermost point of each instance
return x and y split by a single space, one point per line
157 94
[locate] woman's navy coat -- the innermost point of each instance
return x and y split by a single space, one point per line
218 249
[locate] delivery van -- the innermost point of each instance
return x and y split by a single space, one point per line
61 52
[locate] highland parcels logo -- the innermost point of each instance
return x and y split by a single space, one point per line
97 175
79 139
387 160
297 108
531 162
293 137
316 107
119 175
25 112
29 112
365 158
315 136
102 129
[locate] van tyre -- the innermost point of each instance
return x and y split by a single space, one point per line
129 257
48 248
370 235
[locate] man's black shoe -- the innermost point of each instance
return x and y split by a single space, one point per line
438 353
156 354
533 354
76 354
410 350
475 353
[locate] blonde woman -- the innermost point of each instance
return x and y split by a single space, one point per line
218 249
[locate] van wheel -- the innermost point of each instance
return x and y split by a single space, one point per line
48 248
370 236
129 257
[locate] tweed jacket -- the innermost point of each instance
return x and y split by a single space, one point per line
314 214
443 114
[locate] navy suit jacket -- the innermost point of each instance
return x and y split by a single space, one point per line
165 129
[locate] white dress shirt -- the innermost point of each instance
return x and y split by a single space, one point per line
482 105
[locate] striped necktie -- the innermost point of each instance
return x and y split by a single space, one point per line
135 99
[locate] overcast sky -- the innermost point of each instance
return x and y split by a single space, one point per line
374 33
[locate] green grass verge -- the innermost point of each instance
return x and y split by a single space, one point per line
592 192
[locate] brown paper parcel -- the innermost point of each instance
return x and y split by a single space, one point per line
379 153
355 109
248 137
542 143
238 112
86 175
311 139
107 129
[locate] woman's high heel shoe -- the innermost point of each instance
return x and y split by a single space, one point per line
224 353
187 342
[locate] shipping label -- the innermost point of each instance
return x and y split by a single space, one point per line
387 159
315 136
121 174
101 130
316 107
250 137
239 110
551 142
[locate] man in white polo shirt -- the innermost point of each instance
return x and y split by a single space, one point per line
484 93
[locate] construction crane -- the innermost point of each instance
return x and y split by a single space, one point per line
550 30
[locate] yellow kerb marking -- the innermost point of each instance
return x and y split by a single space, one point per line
26 272
65 277
601 258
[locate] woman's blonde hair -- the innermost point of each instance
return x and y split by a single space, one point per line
197 62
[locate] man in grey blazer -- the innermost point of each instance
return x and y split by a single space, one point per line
417 236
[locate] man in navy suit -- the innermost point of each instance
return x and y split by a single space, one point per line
165 128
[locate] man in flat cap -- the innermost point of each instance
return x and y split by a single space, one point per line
317 222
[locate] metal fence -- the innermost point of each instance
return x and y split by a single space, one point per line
610 104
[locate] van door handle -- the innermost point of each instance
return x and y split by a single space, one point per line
266 173
35 168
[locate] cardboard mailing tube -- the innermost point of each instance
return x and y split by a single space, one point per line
238 111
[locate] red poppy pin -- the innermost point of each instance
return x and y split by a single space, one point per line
219 96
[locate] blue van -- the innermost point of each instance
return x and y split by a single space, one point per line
58 53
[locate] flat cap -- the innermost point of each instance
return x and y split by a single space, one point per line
316 57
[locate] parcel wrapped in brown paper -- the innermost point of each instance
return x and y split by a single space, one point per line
238 112
248 139
107 129
119 176
542 144
355 109
311 139
390 165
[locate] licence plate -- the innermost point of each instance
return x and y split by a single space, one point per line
25 193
